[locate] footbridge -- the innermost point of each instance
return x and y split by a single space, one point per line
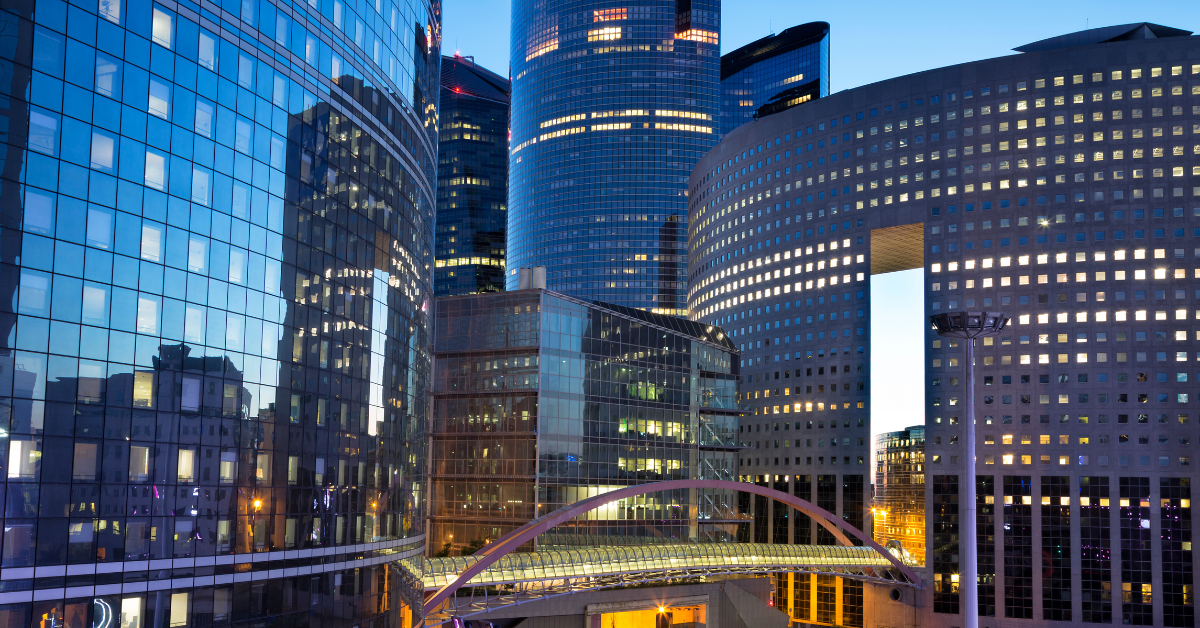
498 576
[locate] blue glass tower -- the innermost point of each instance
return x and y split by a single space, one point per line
472 191
216 236
773 74
612 105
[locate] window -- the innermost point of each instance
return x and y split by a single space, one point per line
160 99
139 463
228 467
187 465
163 27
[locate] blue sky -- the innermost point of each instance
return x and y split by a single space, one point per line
871 41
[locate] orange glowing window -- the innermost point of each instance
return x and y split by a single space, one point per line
692 34
608 15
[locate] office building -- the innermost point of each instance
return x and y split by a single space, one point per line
214 333
472 190
542 400
1059 186
898 508
612 106
774 73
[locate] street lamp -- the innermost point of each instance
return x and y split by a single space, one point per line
969 326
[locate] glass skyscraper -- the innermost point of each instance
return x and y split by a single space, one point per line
773 74
472 191
613 103
216 230
542 400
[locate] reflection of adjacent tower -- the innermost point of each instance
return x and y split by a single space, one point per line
671 266
543 400
353 361
472 192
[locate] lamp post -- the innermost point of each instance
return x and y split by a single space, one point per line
969 326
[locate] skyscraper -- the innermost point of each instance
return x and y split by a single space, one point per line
773 74
216 243
1059 186
472 179
612 106
899 504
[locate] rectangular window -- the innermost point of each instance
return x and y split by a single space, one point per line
163 28
24 458
179 608
160 99
84 464
228 467
139 463
187 465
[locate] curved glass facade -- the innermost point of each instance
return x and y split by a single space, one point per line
612 105
773 74
216 254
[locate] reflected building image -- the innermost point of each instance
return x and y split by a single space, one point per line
472 190
216 275
542 400
899 504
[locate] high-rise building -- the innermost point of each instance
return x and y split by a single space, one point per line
472 190
542 400
217 238
1059 186
899 504
773 74
612 106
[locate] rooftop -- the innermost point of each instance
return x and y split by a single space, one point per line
461 75
772 45
1104 35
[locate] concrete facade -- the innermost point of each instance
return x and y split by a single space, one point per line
1059 186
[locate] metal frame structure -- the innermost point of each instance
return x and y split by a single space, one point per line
969 326
531 576
508 543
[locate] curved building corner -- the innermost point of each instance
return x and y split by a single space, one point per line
216 259
1061 186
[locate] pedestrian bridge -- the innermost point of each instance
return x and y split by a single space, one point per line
645 561
499 575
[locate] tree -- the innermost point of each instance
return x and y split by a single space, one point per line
474 546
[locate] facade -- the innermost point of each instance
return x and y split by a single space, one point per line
899 505
1059 186
472 190
773 74
612 104
542 400
216 237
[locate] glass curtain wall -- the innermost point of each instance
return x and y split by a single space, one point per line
215 236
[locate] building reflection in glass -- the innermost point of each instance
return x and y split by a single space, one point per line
542 400
215 281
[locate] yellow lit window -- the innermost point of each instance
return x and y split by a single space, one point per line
605 34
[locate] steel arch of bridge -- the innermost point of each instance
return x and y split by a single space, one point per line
510 542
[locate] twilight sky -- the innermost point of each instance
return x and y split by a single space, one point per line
870 40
